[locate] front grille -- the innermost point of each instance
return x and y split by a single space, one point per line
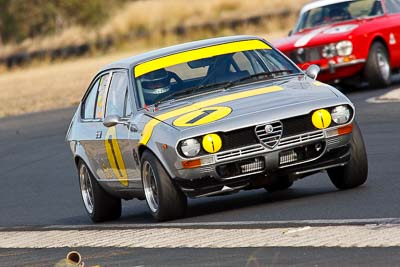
238 138
269 133
297 125
253 140
306 137
302 55
239 152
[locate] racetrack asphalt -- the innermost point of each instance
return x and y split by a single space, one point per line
40 188
40 184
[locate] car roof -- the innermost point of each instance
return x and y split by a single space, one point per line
320 3
130 62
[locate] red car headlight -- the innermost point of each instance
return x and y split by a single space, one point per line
344 48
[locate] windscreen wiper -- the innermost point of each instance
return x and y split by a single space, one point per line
189 90
259 76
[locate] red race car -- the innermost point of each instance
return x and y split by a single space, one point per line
352 41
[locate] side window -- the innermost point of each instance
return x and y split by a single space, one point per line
88 104
103 83
243 62
116 94
392 6
275 61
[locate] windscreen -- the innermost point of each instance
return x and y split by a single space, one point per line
342 11
210 70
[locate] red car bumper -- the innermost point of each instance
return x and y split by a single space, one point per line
337 71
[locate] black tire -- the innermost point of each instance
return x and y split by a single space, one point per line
281 184
354 173
165 201
377 70
102 206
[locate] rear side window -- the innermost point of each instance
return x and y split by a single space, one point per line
117 94
103 84
88 104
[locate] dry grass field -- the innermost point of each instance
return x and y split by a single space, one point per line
46 86
134 19
57 85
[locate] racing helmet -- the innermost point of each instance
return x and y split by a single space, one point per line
155 83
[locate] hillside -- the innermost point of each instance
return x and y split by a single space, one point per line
56 31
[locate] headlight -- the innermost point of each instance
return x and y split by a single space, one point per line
344 48
212 143
190 147
340 114
329 51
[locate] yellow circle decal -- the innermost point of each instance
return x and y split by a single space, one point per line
212 143
202 116
321 119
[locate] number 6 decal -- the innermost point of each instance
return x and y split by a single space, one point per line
114 156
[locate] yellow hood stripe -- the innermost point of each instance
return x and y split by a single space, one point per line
196 54
148 128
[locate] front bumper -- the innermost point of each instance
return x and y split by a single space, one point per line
333 70
250 167
333 66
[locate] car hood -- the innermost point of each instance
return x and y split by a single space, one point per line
318 36
285 99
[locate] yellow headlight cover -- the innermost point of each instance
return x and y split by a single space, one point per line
321 119
212 143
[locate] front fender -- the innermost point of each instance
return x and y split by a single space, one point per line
162 144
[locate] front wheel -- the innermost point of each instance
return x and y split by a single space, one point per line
99 205
377 69
165 201
355 172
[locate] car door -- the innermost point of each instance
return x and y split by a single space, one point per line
118 151
393 23
91 124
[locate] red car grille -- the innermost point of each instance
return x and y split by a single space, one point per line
303 55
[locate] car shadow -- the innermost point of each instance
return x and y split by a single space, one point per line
253 199
242 206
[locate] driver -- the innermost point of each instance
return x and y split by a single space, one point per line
155 84
338 13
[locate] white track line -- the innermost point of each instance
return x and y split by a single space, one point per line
325 236
235 224
392 96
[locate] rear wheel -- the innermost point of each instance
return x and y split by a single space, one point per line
355 172
100 205
377 69
165 201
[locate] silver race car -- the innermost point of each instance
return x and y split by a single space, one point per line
208 118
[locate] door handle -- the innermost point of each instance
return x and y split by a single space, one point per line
99 134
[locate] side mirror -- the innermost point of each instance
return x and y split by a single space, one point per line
111 120
313 71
